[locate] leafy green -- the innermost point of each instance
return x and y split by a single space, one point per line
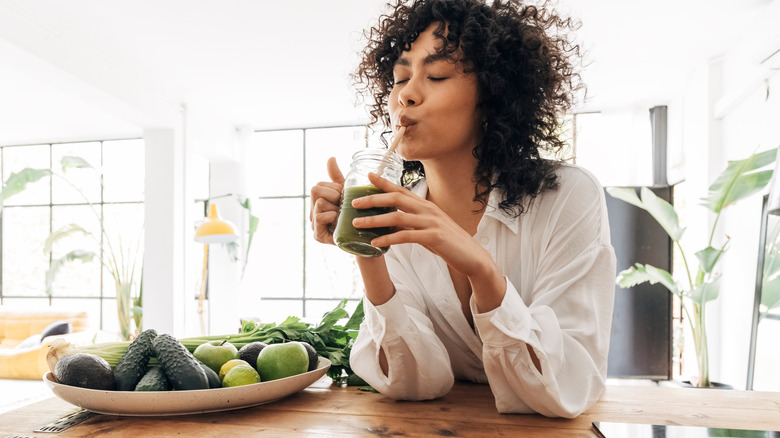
329 339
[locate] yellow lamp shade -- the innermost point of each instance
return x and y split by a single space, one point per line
215 229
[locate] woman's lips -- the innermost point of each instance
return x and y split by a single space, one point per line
406 121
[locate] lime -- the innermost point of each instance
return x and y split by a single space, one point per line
241 374
227 366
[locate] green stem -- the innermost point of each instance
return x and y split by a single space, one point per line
714 225
685 262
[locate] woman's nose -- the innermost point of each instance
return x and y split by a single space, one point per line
409 94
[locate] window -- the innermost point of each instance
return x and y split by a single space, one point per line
113 201
290 272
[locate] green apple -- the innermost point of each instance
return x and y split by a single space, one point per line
278 361
215 353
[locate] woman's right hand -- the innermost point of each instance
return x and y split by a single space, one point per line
325 203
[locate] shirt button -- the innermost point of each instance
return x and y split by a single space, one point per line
484 240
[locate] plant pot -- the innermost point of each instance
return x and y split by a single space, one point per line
713 385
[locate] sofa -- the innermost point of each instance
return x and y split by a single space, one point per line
22 352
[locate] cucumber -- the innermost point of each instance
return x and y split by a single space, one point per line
135 362
154 380
178 364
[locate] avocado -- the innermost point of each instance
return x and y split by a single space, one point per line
178 364
84 370
211 375
313 357
250 351
154 380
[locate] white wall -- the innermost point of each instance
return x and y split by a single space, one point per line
725 115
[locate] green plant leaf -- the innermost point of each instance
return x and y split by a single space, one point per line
734 183
663 213
62 233
18 181
356 319
660 210
705 292
57 264
708 258
72 162
640 273
626 194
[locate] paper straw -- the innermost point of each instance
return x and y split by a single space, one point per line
390 150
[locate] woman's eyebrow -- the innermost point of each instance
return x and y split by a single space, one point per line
430 59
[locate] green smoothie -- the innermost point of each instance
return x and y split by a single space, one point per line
358 240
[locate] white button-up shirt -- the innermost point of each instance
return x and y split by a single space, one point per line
560 271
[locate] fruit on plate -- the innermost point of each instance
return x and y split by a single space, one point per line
215 353
313 357
211 376
228 365
179 365
84 370
239 375
278 361
250 351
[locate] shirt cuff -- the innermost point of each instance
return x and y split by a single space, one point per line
507 323
392 317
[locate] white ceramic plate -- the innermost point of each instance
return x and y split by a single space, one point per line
184 402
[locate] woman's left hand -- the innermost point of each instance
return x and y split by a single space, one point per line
418 220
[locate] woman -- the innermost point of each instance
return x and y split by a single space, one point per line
500 268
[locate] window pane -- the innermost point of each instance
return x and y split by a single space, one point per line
76 278
275 267
110 321
25 230
24 303
85 180
89 305
330 272
316 309
277 311
123 242
17 158
322 144
275 164
123 170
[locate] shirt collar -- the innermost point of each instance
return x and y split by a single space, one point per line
420 188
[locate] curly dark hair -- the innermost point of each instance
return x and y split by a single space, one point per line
524 61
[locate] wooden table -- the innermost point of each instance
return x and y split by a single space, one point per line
323 410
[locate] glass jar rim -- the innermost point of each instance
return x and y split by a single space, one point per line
377 154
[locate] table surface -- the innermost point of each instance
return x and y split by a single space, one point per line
325 410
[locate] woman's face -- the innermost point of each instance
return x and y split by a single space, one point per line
436 102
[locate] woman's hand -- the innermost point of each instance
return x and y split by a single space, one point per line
420 221
325 201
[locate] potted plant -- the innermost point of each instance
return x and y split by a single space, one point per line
121 261
739 180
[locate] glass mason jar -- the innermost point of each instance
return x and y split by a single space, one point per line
353 240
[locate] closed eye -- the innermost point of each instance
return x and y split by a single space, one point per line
437 79
401 81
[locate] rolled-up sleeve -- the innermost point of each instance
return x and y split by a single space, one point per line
566 317
571 346
418 364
